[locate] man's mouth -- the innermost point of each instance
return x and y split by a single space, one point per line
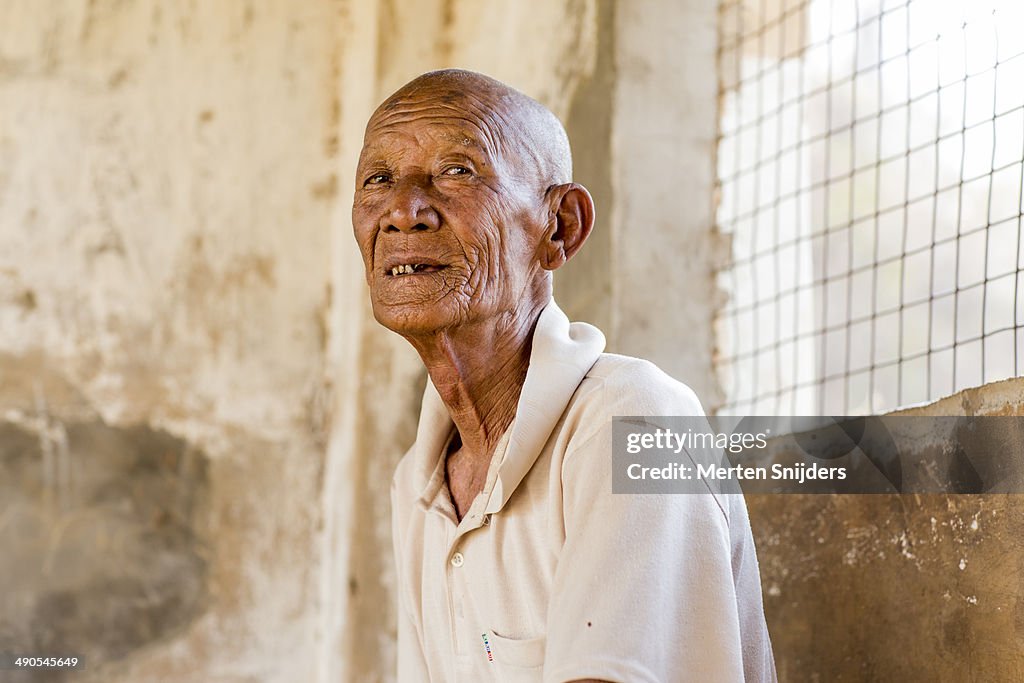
413 268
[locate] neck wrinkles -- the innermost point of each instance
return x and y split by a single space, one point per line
478 371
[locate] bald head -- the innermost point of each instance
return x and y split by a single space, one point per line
521 127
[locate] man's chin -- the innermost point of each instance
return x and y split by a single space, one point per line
411 319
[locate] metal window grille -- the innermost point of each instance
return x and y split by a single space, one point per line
870 182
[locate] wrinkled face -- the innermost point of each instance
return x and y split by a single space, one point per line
446 219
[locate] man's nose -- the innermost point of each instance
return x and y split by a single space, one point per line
410 209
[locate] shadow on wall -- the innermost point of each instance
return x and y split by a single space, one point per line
97 525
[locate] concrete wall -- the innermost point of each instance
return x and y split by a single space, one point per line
167 187
883 587
198 418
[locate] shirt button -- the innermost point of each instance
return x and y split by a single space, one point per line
457 560
486 520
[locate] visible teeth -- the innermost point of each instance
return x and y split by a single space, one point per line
403 269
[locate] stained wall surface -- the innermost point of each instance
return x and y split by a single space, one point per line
167 184
910 587
198 420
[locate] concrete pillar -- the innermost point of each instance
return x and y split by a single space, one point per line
664 246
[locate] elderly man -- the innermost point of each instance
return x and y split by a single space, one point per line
516 562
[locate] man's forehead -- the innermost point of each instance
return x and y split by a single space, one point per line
386 137
433 122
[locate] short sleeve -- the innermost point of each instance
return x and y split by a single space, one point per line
644 589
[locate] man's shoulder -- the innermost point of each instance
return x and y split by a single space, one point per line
625 385
620 386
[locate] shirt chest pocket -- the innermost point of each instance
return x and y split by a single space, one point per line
515 661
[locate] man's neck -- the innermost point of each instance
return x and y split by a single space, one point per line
478 371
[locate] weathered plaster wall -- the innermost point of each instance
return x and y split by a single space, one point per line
664 246
167 181
880 587
583 287
188 370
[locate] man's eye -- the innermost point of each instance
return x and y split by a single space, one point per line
377 179
455 171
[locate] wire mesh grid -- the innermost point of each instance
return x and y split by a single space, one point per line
870 167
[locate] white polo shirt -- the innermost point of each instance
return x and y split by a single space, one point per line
550 576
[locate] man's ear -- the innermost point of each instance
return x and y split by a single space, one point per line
571 220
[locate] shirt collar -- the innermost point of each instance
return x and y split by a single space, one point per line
561 355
